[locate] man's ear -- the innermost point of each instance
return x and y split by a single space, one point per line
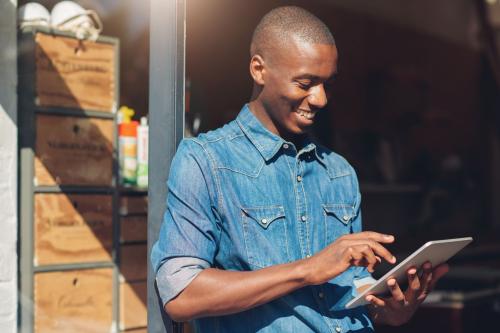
257 69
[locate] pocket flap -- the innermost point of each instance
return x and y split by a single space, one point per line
265 215
343 212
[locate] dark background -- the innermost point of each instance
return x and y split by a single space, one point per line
412 109
415 110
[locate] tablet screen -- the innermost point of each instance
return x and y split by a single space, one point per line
436 252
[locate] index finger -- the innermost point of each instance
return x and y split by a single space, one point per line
375 236
376 247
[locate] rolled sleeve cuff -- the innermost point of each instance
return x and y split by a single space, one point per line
176 274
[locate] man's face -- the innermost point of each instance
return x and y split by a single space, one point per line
296 85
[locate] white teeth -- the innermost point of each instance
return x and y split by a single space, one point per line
306 114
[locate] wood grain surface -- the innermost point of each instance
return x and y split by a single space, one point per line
73 301
72 228
133 204
73 151
133 305
133 262
74 74
143 330
133 228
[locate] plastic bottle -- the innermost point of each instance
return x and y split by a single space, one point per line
127 142
142 153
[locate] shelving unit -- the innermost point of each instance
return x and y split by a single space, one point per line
70 202
133 267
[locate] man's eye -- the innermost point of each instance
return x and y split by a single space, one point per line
304 85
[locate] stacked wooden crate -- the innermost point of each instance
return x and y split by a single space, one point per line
133 261
69 196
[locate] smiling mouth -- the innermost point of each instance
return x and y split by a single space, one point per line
306 114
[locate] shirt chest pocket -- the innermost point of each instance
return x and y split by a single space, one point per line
338 220
265 235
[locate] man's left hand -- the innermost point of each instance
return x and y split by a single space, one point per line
398 308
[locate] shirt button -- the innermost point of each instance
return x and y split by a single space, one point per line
264 221
299 178
303 218
345 218
308 256
338 329
321 295
285 146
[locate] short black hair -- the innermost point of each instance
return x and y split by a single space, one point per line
282 23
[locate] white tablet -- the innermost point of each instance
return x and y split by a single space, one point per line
436 252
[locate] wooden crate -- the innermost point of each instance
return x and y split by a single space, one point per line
73 151
73 301
71 73
133 305
72 228
134 262
140 330
133 204
133 228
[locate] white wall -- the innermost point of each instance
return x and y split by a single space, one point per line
8 167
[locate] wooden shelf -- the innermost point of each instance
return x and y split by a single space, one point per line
133 190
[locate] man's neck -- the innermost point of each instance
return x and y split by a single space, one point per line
259 111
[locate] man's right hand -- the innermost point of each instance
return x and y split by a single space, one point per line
216 292
359 249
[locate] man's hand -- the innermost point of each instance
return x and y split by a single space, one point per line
359 249
216 292
400 306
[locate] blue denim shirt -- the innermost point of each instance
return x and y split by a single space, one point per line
241 198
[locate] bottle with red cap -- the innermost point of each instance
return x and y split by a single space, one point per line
127 143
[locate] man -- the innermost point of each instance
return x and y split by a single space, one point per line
263 227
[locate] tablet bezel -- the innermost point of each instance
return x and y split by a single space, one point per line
436 252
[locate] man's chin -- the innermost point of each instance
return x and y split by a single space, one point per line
300 129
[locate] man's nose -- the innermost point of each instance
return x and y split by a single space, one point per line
318 98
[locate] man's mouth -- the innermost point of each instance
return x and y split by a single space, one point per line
307 114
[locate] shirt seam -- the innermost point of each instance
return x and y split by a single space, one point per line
250 138
259 169
218 188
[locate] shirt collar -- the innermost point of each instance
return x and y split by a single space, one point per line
267 143
318 150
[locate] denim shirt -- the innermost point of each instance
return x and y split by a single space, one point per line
242 198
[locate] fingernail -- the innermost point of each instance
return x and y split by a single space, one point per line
369 298
388 237
393 259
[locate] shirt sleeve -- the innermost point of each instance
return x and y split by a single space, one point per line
190 226
176 274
